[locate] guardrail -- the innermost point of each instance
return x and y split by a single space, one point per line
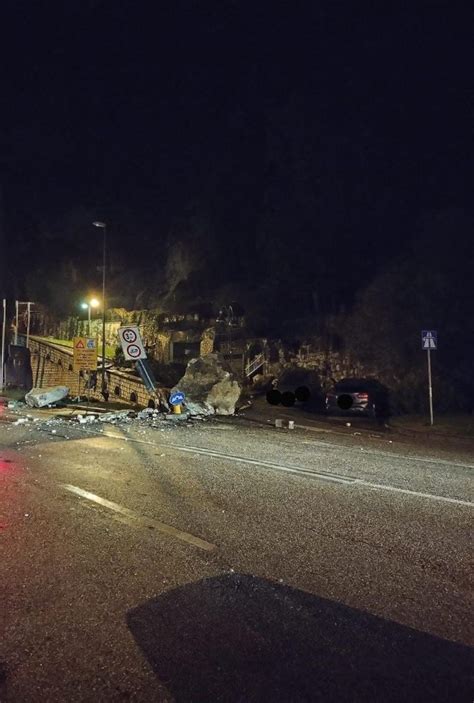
254 365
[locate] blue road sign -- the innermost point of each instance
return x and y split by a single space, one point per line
429 339
177 398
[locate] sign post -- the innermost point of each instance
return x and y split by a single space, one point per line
176 399
429 341
84 357
134 350
131 341
85 354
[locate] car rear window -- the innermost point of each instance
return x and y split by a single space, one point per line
347 388
355 386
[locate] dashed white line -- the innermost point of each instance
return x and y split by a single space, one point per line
319 475
147 522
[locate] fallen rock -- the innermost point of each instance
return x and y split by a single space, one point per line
40 397
86 419
210 386
117 416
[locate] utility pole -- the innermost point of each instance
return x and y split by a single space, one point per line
16 321
28 307
4 325
28 319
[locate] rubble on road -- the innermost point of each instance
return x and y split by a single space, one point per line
41 397
117 416
62 423
14 404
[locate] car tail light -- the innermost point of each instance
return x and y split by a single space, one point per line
362 396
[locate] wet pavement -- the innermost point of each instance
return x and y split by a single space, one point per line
227 560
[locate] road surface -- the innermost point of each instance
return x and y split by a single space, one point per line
229 561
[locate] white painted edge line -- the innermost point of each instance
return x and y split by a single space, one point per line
407 491
329 477
391 455
298 470
161 526
290 468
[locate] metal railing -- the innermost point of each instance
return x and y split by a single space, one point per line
256 363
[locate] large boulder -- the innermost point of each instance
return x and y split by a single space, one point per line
210 386
40 397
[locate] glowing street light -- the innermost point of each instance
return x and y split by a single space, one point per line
93 303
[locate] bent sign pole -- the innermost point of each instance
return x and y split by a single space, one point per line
429 341
134 350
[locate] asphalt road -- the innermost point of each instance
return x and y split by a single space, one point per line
230 561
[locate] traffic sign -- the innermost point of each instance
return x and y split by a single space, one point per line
429 339
429 342
129 335
132 345
177 398
84 353
134 351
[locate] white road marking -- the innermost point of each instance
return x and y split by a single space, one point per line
430 496
390 455
290 468
328 476
320 475
136 518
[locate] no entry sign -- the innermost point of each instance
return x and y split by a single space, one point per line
132 345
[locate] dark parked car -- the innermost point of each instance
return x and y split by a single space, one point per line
358 396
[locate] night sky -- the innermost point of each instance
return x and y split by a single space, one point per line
274 141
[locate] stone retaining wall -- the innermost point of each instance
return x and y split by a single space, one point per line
52 366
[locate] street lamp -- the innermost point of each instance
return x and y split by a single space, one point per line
226 315
93 303
103 227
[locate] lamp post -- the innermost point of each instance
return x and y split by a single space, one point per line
103 227
93 303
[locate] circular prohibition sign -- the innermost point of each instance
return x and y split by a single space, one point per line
134 351
129 335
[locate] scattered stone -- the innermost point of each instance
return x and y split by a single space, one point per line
118 416
86 420
146 414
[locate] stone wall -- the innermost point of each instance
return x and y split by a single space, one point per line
332 365
328 366
159 334
52 366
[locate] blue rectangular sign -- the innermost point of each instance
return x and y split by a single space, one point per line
429 339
